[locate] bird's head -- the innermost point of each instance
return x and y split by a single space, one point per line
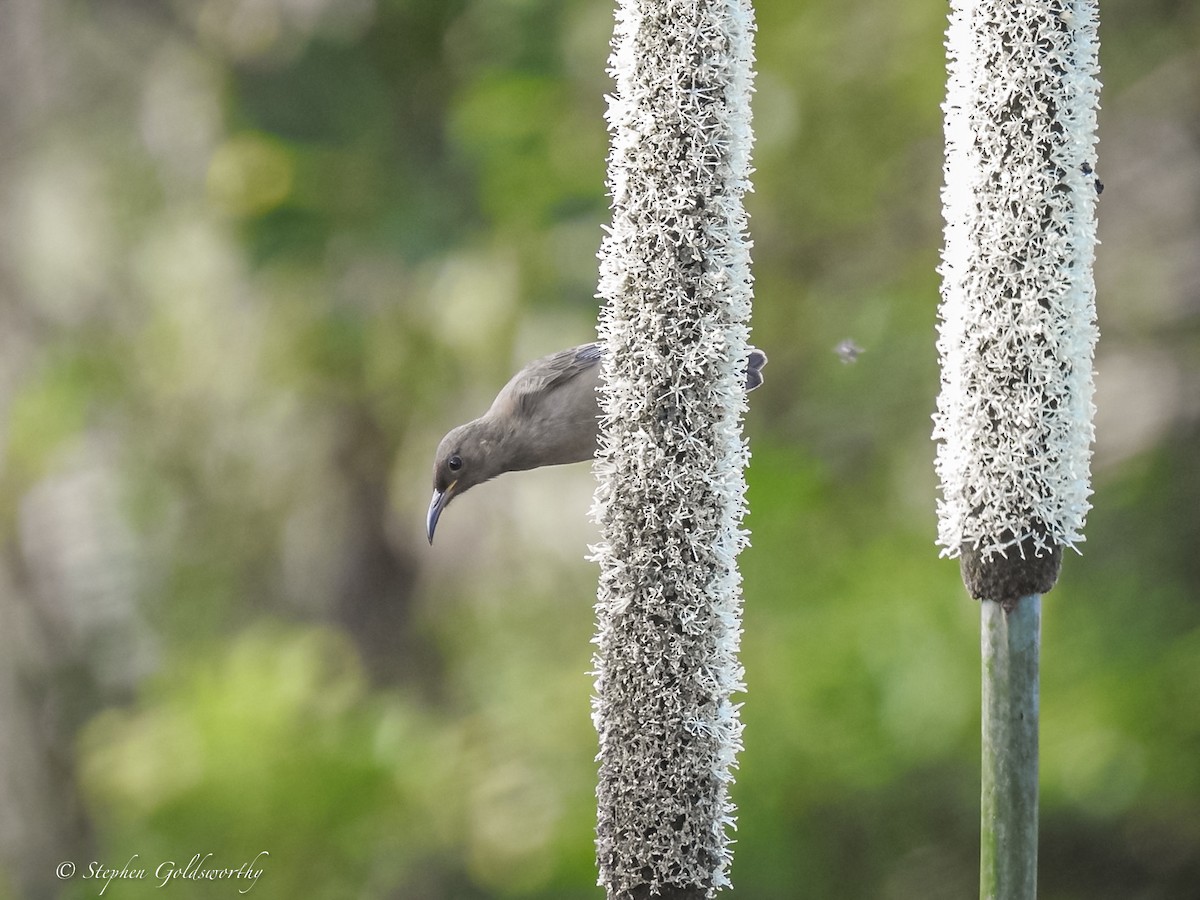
468 455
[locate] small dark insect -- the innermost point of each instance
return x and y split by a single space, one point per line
848 351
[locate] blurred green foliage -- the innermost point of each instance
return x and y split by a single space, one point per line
257 257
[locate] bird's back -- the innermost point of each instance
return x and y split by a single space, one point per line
553 401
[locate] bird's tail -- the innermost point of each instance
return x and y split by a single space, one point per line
754 367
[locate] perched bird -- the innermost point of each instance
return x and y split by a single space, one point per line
547 415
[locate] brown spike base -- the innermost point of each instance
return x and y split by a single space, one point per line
1006 579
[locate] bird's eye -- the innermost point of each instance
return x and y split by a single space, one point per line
455 463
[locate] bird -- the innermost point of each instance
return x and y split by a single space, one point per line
547 415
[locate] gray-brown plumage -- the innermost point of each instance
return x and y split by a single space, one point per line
547 415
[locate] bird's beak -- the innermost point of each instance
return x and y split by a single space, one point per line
436 505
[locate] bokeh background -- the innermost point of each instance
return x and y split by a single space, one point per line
256 256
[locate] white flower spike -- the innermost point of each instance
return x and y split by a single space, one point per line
1014 419
675 272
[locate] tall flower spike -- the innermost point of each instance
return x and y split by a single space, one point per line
1018 331
675 272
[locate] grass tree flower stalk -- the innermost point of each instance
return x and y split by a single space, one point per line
1017 334
675 275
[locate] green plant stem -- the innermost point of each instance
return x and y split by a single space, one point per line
1011 642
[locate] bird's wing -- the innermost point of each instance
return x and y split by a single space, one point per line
530 387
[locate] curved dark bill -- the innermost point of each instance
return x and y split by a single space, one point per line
436 505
